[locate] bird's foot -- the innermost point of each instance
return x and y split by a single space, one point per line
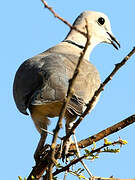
65 150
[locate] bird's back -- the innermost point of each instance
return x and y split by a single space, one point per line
45 79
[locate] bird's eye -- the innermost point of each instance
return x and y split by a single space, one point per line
101 21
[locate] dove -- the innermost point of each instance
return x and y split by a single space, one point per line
41 82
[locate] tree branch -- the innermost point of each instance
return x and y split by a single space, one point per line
101 88
75 161
60 18
106 132
39 169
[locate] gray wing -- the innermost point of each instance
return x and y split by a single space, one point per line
55 80
46 79
40 80
27 81
57 70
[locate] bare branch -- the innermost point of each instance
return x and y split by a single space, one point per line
60 18
101 88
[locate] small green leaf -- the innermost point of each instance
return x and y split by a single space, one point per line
106 142
86 150
20 178
94 146
59 165
122 142
55 178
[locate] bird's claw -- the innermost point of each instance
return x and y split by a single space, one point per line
65 150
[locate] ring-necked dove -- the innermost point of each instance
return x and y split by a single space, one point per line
41 82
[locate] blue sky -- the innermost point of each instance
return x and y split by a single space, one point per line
28 29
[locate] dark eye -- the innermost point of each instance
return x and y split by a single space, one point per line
101 21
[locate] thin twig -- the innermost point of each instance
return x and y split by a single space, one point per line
78 155
51 133
60 18
65 175
97 92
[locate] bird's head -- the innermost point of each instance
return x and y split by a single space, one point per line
99 28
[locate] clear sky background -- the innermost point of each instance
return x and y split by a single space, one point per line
26 29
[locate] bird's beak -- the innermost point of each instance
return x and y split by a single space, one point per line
113 41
